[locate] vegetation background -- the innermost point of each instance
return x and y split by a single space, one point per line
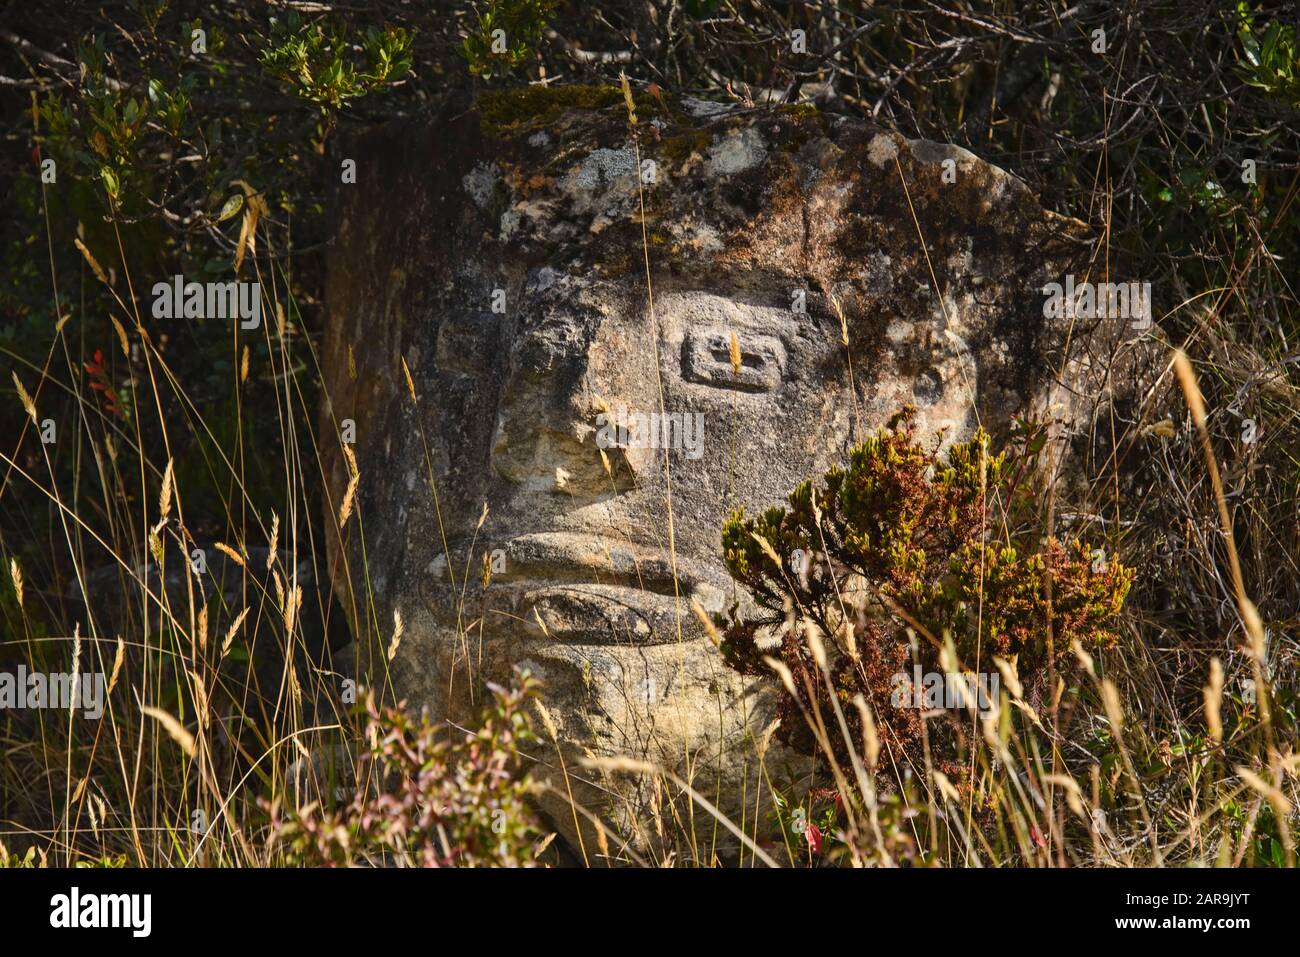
203 138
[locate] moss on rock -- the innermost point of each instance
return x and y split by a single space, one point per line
677 149
501 111
525 107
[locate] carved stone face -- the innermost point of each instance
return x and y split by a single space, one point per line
793 314
598 410
589 416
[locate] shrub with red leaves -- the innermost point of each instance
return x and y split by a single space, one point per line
894 556
426 801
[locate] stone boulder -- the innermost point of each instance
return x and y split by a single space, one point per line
613 337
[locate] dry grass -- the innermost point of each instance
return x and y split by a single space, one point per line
1150 755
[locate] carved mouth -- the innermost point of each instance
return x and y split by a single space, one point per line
590 590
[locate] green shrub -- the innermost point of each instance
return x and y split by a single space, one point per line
909 553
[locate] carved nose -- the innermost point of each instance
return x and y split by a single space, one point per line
545 436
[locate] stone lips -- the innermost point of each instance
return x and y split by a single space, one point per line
747 208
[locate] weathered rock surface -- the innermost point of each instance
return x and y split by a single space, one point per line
857 271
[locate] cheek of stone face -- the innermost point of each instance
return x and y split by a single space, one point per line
944 396
933 373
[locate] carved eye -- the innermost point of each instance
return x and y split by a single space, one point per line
706 358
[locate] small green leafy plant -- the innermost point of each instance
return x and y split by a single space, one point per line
315 60
504 35
1272 62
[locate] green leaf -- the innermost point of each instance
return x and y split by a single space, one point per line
232 206
110 180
